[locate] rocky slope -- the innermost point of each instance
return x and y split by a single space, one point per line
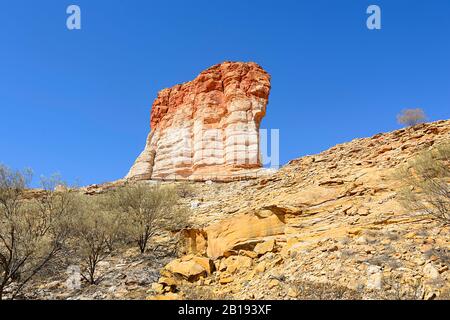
328 218
324 226
207 128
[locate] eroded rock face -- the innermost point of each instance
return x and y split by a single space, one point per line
241 231
207 128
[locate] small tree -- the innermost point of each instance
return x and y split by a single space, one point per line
116 220
149 209
32 232
426 182
411 117
95 232
185 190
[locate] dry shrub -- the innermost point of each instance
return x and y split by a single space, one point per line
198 292
133 213
411 117
441 253
392 289
445 295
426 183
385 259
395 289
149 209
94 234
308 290
32 232
185 190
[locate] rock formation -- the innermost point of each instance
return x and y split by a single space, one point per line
208 128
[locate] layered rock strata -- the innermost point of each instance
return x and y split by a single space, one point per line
208 128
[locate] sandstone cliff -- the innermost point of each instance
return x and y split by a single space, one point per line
207 128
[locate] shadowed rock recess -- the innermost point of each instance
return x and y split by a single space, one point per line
208 128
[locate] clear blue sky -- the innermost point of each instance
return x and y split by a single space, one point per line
78 102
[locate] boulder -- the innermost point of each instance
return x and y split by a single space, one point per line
226 278
264 247
190 267
194 241
261 267
430 271
235 263
374 277
248 253
168 281
242 232
157 288
273 283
